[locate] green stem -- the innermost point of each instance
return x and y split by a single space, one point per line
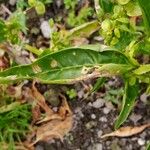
33 50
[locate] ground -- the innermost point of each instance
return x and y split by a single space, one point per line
94 114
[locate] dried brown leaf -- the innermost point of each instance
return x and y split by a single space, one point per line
127 131
36 113
56 128
40 100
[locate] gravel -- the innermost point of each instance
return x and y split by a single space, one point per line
99 133
141 141
135 117
12 2
45 29
39 147
103 119
93 116
143 97
106 110
98 103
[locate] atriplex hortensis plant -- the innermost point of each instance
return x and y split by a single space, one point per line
125 27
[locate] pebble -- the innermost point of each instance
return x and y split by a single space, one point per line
12 2
141 141
78 111
93 116
99 133
106 110
98 103
80 93
109 105
135 117
39 147
98 146
91 124
143 97
59 3
103 119
45 29
143 135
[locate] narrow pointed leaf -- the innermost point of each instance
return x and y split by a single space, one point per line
130 94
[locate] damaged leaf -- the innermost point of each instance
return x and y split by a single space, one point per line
56 128
69 67
127 131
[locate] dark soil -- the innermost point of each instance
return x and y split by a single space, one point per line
90 123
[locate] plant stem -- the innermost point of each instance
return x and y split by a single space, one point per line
33 50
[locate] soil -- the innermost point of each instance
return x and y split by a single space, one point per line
91 122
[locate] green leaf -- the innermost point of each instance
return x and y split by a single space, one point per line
107 6
9 107
98 84
142 69
130 94
123 2
76 64
32 3
40 8
2 31
133 9
84 30
145 6
148 146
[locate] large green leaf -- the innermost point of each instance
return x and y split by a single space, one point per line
70 65
130 94
145 6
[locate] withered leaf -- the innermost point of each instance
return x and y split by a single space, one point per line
127 131
40 100
56 128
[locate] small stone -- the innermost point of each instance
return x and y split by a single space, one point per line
45 29
109 105
99 133
93 116
90 104
80 94
59 3
135 117
39 147
143 135
98 146
91 124
111 83
12 2
106 110
141 141
143 97
79 113
55 109
99 103
103 119
108 143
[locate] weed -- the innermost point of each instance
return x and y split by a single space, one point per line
14 125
